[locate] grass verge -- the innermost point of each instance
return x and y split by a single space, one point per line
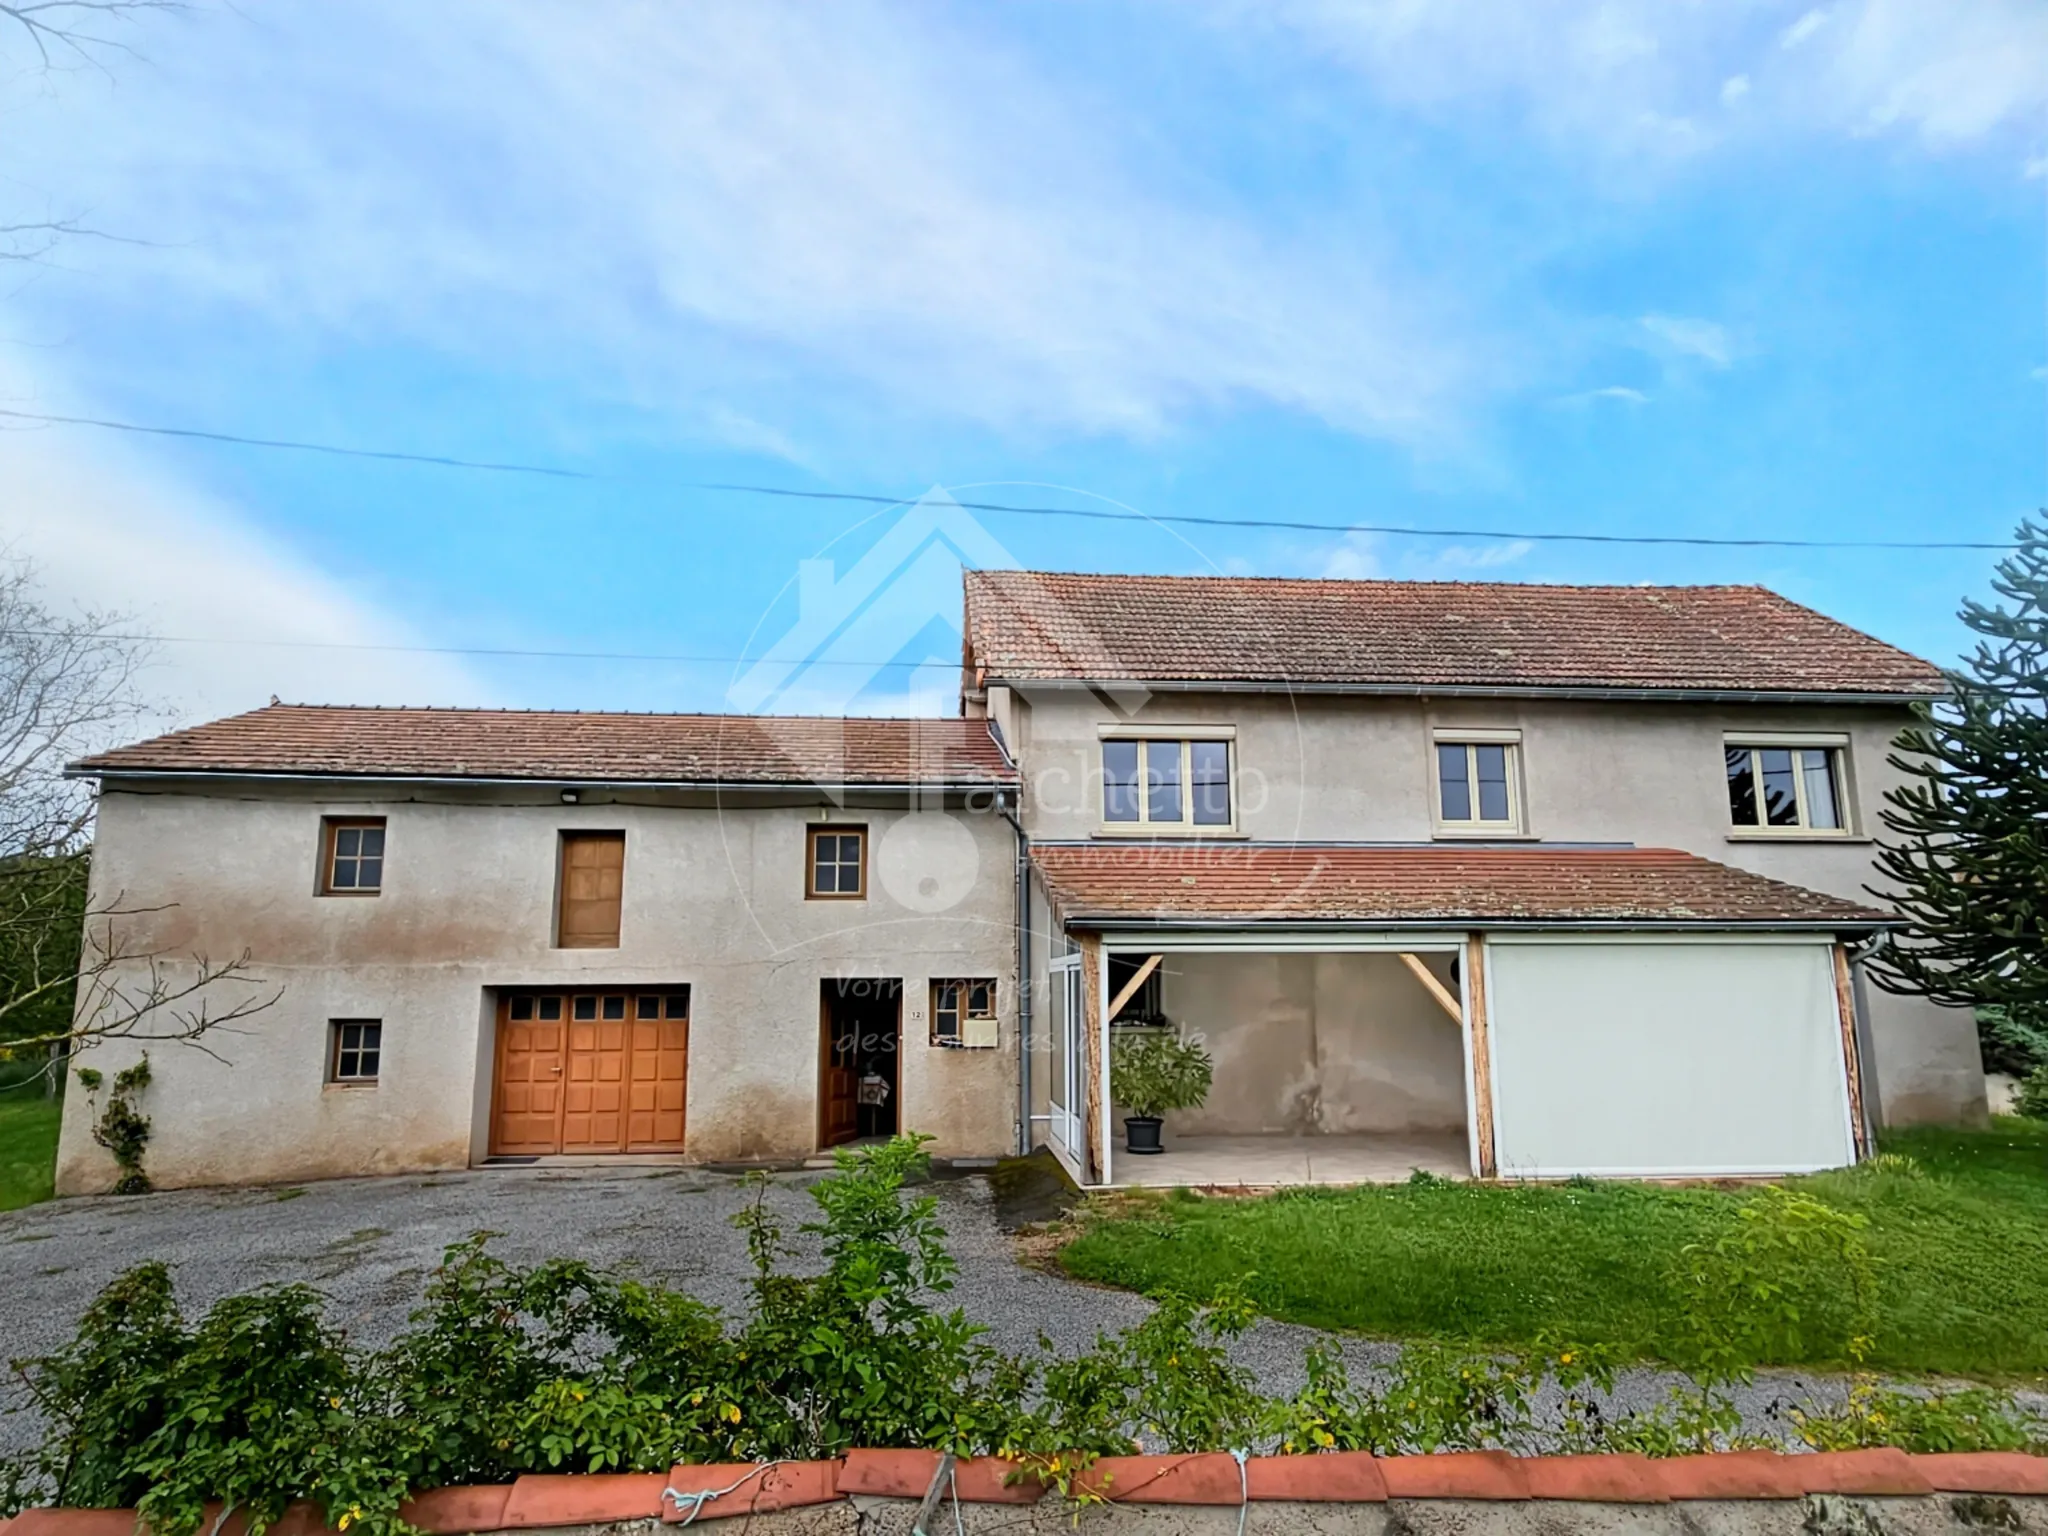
1960 1234
28 1147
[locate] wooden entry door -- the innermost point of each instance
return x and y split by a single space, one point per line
586 1072
860 1040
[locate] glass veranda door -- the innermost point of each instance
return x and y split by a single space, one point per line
1064 1091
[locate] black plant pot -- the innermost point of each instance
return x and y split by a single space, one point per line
1141 1133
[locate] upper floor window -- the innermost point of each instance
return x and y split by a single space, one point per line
593 884
1785 788
352 856
838 864
1475 786
1167 784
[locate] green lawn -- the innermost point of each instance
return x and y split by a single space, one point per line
1962 1245
28 1147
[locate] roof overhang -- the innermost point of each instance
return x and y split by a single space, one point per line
1583 691
557 781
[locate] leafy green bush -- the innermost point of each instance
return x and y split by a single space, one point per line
559 1367
2032 1098
1153 1071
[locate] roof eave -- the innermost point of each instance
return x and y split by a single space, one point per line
86 770
1613 692
1102 918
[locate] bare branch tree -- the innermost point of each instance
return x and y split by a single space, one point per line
76 31
73 969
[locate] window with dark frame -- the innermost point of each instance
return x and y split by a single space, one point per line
958 1004
1785 788
836 864
354 1050
1475 783
352 862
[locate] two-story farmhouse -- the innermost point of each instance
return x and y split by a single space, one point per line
1487 879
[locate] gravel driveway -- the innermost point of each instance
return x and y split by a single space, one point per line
368 1244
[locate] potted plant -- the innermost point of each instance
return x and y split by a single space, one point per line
1152 1071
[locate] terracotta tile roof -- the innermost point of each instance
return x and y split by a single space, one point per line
1254 882
1421 634
606 748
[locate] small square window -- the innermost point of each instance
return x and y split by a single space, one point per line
550 1009
648 1008
352 856
837 864
678 1005
522 1008
586 1008
355 1045
964 1013
1475 787
615 1007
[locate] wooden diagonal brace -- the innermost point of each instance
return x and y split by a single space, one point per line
1130 988
1437 989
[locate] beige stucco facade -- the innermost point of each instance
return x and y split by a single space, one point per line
1359 767
713 899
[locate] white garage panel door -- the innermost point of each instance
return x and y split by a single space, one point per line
1620 1058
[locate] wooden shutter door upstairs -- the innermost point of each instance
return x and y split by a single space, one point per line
593 880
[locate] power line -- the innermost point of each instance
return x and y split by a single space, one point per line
298 447
1091 514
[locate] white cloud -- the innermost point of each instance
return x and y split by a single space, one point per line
680 204
1621 394
1628 78
1803 28
1485 557
1354 557
1706 340
109 530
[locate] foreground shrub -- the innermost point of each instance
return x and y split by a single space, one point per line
560 1367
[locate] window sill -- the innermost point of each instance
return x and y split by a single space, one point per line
1799 835
1482 835
354 895
1156 832
350 1086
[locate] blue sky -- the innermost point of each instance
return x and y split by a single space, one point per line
1739 268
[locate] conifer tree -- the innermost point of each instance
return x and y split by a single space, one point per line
1967 857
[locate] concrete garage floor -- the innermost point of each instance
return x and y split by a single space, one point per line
1262 1162
369 1244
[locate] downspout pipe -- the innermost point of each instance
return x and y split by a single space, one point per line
1022 902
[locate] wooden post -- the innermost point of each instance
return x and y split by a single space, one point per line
1437 989
1474 979
1091 1052
1852 1058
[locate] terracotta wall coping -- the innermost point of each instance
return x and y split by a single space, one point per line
1214 1478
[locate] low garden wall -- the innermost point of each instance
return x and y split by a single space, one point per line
1845 1493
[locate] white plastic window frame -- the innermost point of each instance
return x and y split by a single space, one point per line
1185 737
1517 823
1834 744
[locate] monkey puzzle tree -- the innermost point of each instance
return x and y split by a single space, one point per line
1967 858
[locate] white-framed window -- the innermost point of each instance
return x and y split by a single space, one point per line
1787 787
1478 782
1169 783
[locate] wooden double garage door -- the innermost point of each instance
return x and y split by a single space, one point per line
600 1071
